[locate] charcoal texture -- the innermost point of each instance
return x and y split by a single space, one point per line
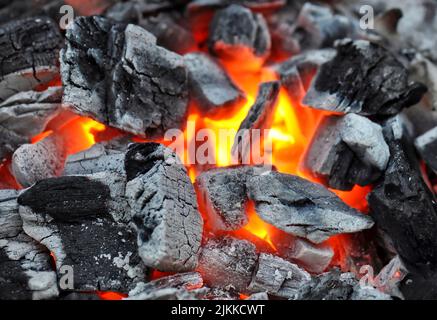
303 208
11 10
228 262
29 54
119 76
404 208
164 208
25 269
426 145
210 87
363 78
64 213
259 117
347 150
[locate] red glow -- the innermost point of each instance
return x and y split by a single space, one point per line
109 295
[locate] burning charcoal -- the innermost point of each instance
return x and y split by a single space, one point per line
119 76
363 78
24 115
64 213
303 208
405 209
296 73
224 195
164 207
239 34
259 117
25 271
258 296
181 281
318 27
390 277
210 86
34 162
228 262
278 277
256 5
426 144
335 285
347 150
314 258
98 158
29 54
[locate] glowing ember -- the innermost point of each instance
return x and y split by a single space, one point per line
258 227
108 295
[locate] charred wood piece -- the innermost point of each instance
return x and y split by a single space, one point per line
303 208
164 208
64 213
259 117
363 78
29 54
278 277
236 32
227 262
426 145
347 150
405 209
119 76
210 86
25 270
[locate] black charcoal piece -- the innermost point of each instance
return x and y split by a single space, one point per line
347 150
29 54
335 285
296 73
317 27
34 162
405 209
224 195
227 262
10 10
314 258
303 208
80 219
163 204
117 75
131 11
25 270
210 87
259 117
180 282
24 115
426 145
278 277
363 78
236 29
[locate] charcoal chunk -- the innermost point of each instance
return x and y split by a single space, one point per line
403 206
25 270
64 213
227 262
426 145
29 54
363 78
278 277
236 31
347 150
164 208
117 75
210 86
303 208
259 117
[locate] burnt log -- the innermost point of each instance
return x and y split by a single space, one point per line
25 266
363 78
347 150
29 54
64 213
24 115
227 262
163 204
303 208
117 75
210 87
405 209
259 117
